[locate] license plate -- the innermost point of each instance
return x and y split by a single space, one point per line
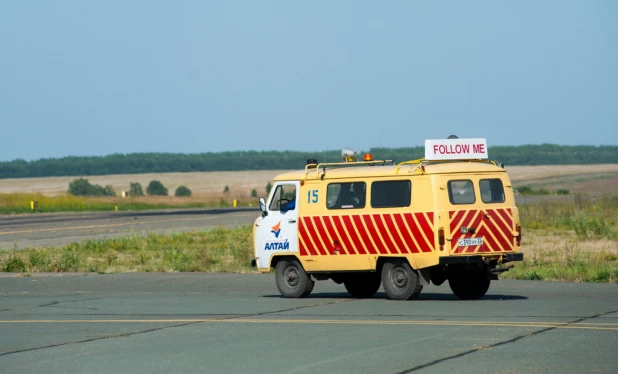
471 241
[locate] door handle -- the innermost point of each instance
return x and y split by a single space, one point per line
291 221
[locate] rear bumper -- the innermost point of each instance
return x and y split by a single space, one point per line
509 257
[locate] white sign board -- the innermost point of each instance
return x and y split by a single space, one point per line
455 149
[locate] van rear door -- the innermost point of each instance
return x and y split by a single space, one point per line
480 214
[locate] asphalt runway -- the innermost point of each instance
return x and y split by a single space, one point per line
43 230
238 323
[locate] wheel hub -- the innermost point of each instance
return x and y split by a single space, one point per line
291 276
399 278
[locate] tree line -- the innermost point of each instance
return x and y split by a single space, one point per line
137 163
83 187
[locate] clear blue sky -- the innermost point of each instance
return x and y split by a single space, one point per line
100 77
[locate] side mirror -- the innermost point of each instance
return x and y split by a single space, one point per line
263 207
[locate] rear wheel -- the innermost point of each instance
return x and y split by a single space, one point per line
292 280
400 281
362 285
470 285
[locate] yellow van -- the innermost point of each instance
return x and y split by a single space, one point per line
449 216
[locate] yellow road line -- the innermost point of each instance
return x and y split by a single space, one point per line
557 325
98 226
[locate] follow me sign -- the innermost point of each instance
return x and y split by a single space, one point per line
455 149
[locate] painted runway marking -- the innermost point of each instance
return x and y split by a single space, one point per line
557 325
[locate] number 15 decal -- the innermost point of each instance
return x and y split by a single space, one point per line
312 196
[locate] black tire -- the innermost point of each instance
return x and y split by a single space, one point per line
470 285
362 285
400 281
292 280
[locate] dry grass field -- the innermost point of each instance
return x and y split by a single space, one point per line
202 184
591 179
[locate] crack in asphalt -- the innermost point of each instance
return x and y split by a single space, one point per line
55 304
165 327
93 339
505 342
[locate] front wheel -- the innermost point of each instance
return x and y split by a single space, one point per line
400 281
292 280
362 285
469 286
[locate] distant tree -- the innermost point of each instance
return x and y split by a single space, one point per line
268 187
80 187
254 193
136 190
226 189
182 191
156 188
109 191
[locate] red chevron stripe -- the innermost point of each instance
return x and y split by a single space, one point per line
502 243
301 246
392 228
506 215
427 230
391 247
417 233
321 230
335 237
470 222
374 234
363 233
338 233
305 236
407 238
503 228
312 231
488 241
467 221
456 222
358 245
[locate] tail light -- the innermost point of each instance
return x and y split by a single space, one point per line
518 237
441 239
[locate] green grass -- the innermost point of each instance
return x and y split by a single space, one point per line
589 218
218 250
570 264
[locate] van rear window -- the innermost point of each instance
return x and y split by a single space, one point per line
461 192
492 190
390 194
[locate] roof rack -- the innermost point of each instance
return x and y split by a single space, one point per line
421 162
311 167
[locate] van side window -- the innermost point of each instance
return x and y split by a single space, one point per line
492 190
284 198
346 195
461 192
391 194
